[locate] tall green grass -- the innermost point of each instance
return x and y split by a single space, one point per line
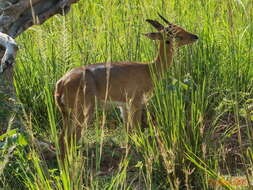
198 128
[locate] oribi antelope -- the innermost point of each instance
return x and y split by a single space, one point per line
129 85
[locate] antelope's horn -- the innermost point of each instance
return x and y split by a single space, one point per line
155 24
164 19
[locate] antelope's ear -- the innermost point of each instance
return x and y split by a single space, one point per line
154 35
155 24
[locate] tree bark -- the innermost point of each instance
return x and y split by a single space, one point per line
15 17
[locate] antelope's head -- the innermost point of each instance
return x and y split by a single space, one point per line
170 32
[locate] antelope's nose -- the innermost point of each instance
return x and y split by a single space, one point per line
195 37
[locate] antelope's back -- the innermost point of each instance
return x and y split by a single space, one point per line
123 79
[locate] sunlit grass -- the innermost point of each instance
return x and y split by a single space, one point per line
198 128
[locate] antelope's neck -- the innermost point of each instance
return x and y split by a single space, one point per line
163 59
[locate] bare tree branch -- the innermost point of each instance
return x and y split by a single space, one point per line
11 48
18 15
15 17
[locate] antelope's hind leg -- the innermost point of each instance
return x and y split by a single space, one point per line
84 106
81 101
83 113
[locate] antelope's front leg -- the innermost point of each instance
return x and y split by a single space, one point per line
131 116
136 114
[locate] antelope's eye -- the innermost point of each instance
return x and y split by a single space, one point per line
169 33
167 29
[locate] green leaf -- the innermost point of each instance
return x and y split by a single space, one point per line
8 134
22 141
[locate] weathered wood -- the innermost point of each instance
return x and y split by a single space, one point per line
15 17
11 48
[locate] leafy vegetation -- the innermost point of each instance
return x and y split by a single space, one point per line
199 125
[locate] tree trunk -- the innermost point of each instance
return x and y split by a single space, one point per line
15 17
